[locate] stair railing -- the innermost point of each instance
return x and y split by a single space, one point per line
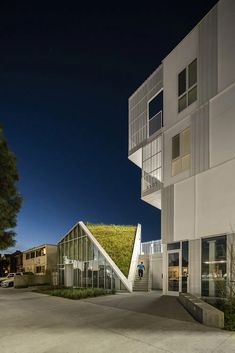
150 273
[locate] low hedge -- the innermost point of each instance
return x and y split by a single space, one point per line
75 293
229 313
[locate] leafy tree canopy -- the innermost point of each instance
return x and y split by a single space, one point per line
10 199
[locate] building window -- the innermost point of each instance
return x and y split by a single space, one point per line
41 252
180 152
184 272
173 246
40 269
187 86
152 164
155 113
214 266
32 254
28 256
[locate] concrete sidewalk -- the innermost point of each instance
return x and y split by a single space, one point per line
124 323
151 303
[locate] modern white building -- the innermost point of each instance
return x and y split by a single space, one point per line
182 136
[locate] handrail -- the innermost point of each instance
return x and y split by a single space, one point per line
150 273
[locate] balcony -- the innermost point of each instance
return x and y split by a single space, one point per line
151 189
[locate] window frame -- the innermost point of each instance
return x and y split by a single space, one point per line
181 153
188 89
148 119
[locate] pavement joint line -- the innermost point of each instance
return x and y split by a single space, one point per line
230 334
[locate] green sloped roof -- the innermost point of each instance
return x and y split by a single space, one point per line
117 241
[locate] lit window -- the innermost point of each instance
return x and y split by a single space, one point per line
180 152
187 86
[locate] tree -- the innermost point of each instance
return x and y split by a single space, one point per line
10 199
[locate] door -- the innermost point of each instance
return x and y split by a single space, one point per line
173 272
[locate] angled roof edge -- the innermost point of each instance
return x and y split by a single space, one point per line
135 254
70 230
125 281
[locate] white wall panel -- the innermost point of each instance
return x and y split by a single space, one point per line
215 200
173 64
222 126
156 271
184 209
226 43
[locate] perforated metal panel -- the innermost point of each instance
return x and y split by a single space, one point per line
138 119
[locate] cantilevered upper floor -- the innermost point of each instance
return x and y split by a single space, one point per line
175 133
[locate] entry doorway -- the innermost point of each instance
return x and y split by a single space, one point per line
173 273
177 269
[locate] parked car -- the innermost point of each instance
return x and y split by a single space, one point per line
9 282
7 276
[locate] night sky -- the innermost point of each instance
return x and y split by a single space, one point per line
65 77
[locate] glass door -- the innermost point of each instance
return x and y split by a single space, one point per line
174 275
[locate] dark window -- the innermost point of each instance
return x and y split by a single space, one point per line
192 73
182 82
176 146
27 256
187 86
173 246
39 252
156 113
40 269
32 254
182 103
192 95
156 105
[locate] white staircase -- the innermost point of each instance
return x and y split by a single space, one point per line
143 284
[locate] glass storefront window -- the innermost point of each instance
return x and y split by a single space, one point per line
184 266
214 266
173 272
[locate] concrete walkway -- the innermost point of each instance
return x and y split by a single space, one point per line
124 323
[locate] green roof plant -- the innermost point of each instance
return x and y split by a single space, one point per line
117 241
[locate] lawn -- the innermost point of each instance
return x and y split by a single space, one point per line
117 241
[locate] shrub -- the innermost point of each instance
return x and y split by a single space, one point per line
75 293
228 308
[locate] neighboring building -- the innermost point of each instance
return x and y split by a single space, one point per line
40 259
99 256
16 261
5 263
181 134
11 262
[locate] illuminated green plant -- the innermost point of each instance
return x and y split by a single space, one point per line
117 241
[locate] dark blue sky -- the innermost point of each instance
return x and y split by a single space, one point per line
65 77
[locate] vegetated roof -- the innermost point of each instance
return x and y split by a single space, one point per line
117 241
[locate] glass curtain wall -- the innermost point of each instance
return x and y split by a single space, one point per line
90 268
152 164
